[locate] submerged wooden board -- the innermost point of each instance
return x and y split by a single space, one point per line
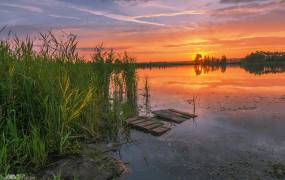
188 115
154 125
157 125
173 115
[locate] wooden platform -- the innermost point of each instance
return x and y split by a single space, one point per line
157 125
173 115
153 125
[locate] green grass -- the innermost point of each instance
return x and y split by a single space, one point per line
51 100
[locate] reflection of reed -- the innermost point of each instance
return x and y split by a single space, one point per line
193 101
146 95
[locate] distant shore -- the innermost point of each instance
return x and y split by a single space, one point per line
179 63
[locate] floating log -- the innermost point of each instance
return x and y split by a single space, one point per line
154 125
173 115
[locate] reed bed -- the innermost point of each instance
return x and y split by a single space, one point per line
51 99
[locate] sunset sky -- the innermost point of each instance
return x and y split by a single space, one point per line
156 30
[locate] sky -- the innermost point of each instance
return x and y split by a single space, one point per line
155 30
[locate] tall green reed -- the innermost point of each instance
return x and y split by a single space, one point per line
51 100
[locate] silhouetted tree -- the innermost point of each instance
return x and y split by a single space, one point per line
198 58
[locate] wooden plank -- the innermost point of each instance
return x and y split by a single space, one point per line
135 118
168 115
160 130
150 125
179 114
138 121
184 113
158 126
173 115
155 120
146 123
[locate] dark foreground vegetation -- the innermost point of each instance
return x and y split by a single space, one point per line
51 100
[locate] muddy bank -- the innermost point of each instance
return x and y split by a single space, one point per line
94 162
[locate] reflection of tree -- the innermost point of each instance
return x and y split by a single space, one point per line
207 60
259 68
264 68
206 69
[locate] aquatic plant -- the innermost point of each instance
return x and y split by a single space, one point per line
146 95
277 170
51 99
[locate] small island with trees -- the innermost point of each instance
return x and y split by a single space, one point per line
262 57
261 62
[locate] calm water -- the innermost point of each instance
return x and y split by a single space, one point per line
238 134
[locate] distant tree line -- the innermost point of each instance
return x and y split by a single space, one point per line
162 64
265 57
262 62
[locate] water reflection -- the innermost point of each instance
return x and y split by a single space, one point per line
146 95
206 69
240 124
264 68
257 69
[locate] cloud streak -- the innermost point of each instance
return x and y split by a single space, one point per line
63 17
24 7
117 16
190 12
240 1
251 9
156 29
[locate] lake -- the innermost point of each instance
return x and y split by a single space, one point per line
238 134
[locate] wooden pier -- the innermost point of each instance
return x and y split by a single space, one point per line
161 123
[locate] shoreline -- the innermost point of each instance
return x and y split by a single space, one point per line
180 63
241 63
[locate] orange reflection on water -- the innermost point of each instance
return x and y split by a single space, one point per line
191 80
